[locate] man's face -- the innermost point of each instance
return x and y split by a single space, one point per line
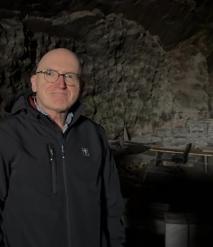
56 97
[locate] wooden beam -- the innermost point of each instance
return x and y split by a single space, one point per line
197 152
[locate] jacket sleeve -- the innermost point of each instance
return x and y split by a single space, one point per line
113 199
4 171
2 195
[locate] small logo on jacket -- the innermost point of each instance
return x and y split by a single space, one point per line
85 152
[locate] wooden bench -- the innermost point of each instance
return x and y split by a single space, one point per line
128 147
194 152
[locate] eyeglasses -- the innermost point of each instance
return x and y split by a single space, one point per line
52 76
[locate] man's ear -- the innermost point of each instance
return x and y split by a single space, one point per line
33 83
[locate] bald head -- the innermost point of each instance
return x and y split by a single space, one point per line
61 59
55 95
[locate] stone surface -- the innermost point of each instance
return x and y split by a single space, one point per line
134 87
173 21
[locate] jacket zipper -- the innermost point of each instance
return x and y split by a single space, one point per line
66 196
53 167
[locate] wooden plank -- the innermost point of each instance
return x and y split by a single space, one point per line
128 147
197 152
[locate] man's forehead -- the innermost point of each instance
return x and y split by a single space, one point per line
59 59
58 56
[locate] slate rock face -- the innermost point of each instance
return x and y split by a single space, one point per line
133 85
121 61
173 21
13 62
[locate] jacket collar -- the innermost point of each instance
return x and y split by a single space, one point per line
22 103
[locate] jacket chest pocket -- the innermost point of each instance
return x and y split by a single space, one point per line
32 174
84 166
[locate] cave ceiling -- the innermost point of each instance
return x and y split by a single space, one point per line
172 21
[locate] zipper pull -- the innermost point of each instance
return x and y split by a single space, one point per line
50 151
62 151
53 166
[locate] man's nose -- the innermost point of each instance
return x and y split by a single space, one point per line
61 81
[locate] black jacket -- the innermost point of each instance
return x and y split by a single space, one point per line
57 189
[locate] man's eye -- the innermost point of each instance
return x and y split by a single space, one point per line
70 76
49 73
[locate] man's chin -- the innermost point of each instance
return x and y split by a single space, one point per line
61 109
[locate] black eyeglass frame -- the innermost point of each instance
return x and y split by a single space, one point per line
44 72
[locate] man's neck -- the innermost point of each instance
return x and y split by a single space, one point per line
58 117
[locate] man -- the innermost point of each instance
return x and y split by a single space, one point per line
58 181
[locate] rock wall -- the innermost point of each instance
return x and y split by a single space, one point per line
133 88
